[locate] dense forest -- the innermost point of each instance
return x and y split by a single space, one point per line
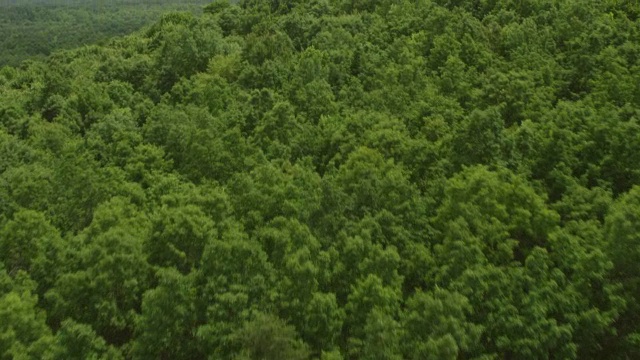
35 28
328 179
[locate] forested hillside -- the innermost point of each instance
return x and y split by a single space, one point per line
329 179
33 29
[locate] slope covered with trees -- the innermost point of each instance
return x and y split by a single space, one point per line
329 179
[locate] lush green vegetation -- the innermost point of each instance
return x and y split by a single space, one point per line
328 179
35 28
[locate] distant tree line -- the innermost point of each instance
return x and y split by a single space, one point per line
33 29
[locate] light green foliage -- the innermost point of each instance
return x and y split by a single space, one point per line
499 208
267 337
436 326
322 321
234 280
273 190
369 297
29 243
178 237
184 46
623 245
383 337
79 341
23 331
167 323
107 275
370 184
